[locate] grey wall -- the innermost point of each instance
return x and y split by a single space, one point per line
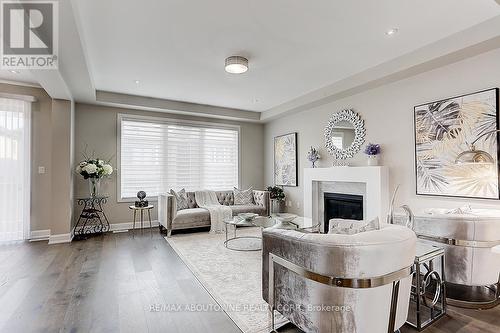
388 115
96 127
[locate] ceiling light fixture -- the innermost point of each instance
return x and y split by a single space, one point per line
137 81
14 71
392 32
236 65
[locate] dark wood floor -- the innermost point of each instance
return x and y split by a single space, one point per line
109 283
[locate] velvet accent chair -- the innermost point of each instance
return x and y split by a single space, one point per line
472 266
363 281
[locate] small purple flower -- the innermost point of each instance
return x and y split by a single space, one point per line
372 149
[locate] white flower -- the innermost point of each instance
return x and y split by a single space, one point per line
90 168
107 169
78 169
82 164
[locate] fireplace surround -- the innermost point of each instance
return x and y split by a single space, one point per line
370 182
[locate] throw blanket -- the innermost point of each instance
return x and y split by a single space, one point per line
218 213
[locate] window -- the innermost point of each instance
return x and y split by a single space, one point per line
158 154
14 169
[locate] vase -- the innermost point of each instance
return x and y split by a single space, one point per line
372 160
276 206
94 184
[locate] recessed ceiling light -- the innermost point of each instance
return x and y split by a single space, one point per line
392 31
14 71
236 65
137 81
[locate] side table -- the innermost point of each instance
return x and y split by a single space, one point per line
427 281
92 219
141 211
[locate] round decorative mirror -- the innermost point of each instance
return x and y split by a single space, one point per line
344 134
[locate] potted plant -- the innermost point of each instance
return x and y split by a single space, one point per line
277 196
94 169
372 152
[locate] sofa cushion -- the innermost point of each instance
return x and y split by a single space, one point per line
191 216
352 227
225 198
243 197
191 200
237 209
180 198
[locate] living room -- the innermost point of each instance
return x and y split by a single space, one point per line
250 167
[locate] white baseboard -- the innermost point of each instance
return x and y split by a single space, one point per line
129 225
39 235
61 238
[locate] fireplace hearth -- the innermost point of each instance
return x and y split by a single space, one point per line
342 206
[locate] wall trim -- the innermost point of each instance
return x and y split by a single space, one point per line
60 238
39 235
128 225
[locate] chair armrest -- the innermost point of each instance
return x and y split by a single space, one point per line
167 209
262 199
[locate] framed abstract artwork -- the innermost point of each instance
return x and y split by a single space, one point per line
446 129
285 160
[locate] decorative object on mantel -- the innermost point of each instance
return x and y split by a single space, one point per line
372 152
285 160
94 169
340 163
443 130
277 196
344 134
313 156
141 203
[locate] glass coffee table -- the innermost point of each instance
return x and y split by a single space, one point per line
254 243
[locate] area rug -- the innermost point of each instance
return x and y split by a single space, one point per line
233 278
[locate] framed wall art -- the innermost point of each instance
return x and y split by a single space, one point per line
447 129
285 160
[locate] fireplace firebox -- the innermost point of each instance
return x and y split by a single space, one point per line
342 206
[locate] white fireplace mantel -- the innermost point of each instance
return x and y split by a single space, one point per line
375 179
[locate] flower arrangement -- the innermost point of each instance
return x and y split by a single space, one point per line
313 156
94 168
276 192
372 149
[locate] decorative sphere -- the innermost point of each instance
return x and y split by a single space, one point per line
141 195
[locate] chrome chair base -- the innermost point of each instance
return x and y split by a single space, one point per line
473 297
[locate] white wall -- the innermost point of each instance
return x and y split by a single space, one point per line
388 115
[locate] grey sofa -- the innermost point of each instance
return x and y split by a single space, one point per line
194 217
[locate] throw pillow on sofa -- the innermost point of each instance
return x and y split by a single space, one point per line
243 197
352 227
181 198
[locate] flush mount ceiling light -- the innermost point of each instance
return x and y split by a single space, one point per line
392 31
137 81
236 65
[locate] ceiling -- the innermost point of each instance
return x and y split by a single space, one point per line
23 76
176 48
